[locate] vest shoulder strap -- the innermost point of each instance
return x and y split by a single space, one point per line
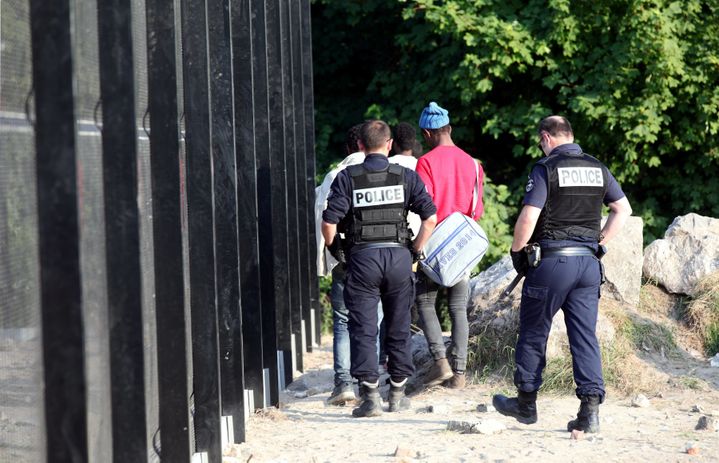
356 170
396 169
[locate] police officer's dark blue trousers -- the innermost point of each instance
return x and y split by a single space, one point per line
374 274
571 283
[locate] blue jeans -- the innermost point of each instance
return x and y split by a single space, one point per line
340 317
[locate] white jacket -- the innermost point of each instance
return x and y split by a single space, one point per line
325 261
409 162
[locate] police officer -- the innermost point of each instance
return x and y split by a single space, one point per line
370 201
562 213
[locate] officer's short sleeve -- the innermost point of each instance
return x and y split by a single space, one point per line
536 189
614 191
419 201
338 199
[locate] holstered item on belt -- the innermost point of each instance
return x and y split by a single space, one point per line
534 254
601 251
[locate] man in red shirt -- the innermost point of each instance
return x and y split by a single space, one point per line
451 176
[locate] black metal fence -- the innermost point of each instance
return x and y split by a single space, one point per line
157 240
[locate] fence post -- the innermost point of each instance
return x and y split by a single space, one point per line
171 314
59 253
122 231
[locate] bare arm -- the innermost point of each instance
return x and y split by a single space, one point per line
425 231
619 211
329 230
524 227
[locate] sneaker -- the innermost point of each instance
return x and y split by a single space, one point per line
341 394
396 398
371 404
457 381
439 372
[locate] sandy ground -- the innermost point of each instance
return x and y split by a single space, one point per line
304 429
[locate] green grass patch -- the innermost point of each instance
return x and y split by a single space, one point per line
702 313
325 304
691 382
491 353
649 335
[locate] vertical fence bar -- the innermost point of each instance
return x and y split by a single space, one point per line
93 239
291 179
278 181
305 214
172 331
205 271
122 231
309 111
226 227
247 200
23 435
271 299
60 280
145 202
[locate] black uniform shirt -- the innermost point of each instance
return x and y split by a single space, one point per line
339 200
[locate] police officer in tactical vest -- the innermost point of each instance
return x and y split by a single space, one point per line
558 241
370 202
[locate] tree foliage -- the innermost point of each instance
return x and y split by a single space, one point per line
637 79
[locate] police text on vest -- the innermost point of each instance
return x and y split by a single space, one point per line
580 176
378 196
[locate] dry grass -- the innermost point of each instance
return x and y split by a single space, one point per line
702 313
491 354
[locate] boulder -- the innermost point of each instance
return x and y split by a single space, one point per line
485 288
688 253
422 360
623 263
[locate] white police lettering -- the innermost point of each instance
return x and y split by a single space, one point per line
378 196
580 176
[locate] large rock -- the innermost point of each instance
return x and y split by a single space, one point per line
623 263
688 253
423 361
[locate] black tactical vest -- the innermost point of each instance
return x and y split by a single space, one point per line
575 193
377 212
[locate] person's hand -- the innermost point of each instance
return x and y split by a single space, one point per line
416 255
336 250
519 260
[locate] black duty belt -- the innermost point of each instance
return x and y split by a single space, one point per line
568 251
363 246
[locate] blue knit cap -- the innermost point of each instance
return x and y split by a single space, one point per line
433 117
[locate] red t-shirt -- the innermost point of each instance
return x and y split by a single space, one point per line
450 175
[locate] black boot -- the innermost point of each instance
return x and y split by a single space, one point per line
396 398
371 401
523 407
588 415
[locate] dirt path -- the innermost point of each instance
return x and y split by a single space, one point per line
305 430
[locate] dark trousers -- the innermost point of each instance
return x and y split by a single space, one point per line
572 284
374 274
